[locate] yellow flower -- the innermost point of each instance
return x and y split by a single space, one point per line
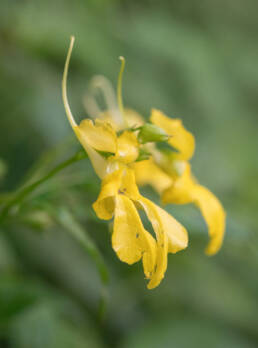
120 197
172 178
112 156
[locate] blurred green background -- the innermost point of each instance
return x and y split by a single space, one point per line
197 60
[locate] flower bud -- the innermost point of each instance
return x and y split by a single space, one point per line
151 133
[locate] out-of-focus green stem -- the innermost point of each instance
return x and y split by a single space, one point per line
66 219
40 167
25 191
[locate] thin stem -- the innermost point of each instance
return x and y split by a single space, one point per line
24 192
66 219
42 164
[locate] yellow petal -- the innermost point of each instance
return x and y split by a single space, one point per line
186 190
132 117
176 233
105 205
127 147
180 192
99 163
100 136
150 255
170 234
113 117
128 185
213 214
130 240
148 173
181 139
121 180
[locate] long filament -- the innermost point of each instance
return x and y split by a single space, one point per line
119 88
91 106
64 84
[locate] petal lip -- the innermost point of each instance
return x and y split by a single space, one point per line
186 190
121 180
214 216
130 240
100 136
175 231
105 204
171 237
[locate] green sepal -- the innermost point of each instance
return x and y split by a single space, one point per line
143 155
150 133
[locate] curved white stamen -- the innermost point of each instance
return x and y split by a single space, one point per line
64 83
101 83
91 106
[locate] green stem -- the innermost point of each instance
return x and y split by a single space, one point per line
41 165
24 192
66 219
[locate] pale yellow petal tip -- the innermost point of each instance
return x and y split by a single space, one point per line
154 283
216 242
156 111
183 243
151 286
213 248
191 146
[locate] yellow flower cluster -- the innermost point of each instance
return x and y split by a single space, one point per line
115 150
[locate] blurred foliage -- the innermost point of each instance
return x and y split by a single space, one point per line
195 60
